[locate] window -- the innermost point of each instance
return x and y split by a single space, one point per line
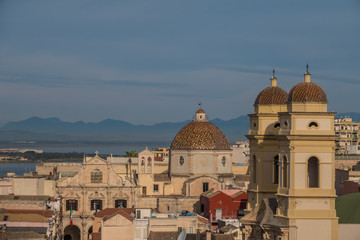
313 125
156 187
181 160
149 160
96 204
191 230
254 169
205 186
276 170
179 229
313 172
285 172
71 203
277 125
223 161
120 203
286 124
142 163
96 176
143 190
138 214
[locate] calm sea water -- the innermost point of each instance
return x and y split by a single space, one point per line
18 168
21 168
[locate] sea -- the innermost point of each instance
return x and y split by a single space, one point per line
19 168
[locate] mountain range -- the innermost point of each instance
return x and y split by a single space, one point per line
57 131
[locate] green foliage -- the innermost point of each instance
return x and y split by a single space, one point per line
132 153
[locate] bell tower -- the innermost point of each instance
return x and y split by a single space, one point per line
306 193
264 143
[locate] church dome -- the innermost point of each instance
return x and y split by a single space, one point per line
200 134
272 94
307 91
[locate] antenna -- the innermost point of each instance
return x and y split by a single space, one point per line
182 235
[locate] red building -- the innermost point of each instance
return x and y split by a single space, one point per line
219 204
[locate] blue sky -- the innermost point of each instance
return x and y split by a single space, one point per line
152 61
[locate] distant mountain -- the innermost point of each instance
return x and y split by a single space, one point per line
56 130
109 130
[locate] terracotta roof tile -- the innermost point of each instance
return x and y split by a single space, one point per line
200 135
307 92
272 95
111 212
44 213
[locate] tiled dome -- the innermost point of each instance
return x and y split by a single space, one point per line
200 135
307 92
272 95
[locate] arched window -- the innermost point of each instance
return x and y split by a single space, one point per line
276 170
142 161
181 160
96 176
277 125
223 161
285 172
149 160
313 172
254 169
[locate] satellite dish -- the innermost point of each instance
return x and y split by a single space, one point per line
182 235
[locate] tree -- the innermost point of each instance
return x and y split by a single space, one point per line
132 153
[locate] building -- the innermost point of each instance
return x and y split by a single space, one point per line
291 193
241 153
199 159
94 187
223 204
348 136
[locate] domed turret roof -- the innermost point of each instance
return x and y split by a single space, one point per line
307 91
200 110
272 94
200 135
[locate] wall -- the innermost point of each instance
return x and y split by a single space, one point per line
349 231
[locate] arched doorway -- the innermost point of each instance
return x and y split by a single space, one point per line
90 231
72 233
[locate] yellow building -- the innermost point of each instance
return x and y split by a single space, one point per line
292 144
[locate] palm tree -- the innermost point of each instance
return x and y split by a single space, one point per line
132 153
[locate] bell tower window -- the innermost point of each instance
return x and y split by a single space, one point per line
285 172
313 172
254 169
276 170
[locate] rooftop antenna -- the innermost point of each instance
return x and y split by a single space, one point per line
307 68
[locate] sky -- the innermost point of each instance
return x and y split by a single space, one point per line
153 61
